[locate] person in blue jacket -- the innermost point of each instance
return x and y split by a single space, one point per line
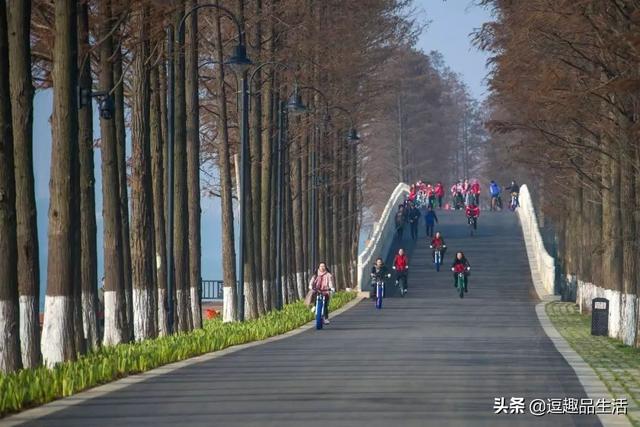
430 219
496 201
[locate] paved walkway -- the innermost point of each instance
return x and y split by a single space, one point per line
430 358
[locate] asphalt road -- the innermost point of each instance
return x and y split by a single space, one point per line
428 359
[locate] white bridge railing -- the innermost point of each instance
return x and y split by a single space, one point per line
382 235
542 264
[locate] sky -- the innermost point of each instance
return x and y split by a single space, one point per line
448 32
450 24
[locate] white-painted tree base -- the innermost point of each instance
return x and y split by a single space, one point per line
196 308
229 304
113 326
162 312
90 320
57 337
29 331
628 319
301 285
142 314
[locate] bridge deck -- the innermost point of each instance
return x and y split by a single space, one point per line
430 358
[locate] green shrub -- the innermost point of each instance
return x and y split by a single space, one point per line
33 387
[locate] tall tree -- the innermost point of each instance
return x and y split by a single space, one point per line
88 245
180 230
226 200
115 317
9 311
157 172
121 138
58 332
142 260
193 162
19 20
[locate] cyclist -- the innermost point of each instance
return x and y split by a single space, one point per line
414 217
461 265
378 272
475 192
431 195
430 219
473 212
322 282
438 242
439 190
457 194
494 191
514 189
401 265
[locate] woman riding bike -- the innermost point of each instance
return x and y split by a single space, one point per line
322 283
401 265
438 243
461 265
473 212
379 272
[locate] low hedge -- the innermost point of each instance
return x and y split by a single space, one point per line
33 387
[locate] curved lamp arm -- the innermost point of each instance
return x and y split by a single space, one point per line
223 9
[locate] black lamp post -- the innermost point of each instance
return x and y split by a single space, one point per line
239 62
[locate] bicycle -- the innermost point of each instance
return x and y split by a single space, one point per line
473 224
379 284
402 277
320 299
437 256
514 201
460 287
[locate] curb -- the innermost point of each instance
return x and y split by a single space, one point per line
78 398
593 386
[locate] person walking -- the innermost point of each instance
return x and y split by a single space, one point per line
430 219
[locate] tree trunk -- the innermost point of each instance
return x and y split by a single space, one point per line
121 138
19 23
180 230
9 309
88 248
296 201
144 325
115 316
158 173
629 250
268 106
226 200
58 332
193 165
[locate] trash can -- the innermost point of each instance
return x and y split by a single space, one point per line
600 316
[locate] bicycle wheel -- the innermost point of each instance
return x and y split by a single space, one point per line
379 297
319 310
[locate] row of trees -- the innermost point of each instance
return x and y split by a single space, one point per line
332 49
431 128
565 105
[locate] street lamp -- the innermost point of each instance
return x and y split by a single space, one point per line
239 62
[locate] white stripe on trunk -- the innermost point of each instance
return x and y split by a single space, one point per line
196 309
301 285
228 304
56 329
89 319
162 312
628 311
28 314
113 332
142 312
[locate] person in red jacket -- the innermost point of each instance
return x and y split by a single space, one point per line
475 192
439 190
401 265
438 242
473 212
